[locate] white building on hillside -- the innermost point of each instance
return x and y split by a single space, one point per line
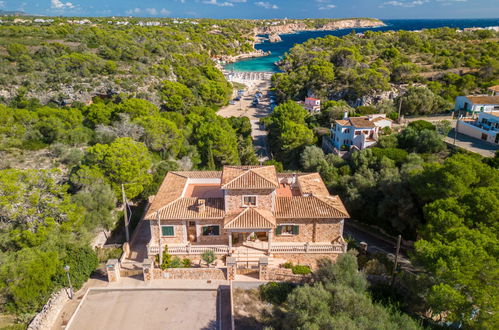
477 103
357 132
485 128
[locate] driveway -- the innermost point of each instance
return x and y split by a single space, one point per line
134 309
474 145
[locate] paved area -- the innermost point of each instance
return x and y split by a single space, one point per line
474 145
243 108
148 309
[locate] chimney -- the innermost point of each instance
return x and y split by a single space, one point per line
345 115
201 205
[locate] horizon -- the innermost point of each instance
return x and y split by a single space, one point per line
253 9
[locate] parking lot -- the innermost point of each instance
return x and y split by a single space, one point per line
127 309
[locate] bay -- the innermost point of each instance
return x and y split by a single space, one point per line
278 49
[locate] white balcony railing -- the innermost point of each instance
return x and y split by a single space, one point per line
189 249
307 248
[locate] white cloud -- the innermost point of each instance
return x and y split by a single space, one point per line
151 11
327 7
164 12
2 4
219 4
238 1
406 4
58 4
266 5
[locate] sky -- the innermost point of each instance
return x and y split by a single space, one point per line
260 8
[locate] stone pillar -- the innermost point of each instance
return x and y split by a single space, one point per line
231 268
263 265
148 270
113 270
270 241
230 243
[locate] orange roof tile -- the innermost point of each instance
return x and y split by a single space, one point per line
170 189
494 88
483 99
200 174
187 208
311 207
251 217
249 177
312 184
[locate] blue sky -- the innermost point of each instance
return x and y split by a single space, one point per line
261 8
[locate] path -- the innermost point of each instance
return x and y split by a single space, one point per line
255 81
474 145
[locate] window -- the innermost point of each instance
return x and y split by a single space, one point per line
167 231
211 230
249 200
484 136
357 132
287 230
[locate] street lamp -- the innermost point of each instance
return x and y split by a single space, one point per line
66 269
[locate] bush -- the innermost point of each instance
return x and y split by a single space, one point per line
175 263
301 269
420 125
276 292
167 259
82 261
186 262
208 256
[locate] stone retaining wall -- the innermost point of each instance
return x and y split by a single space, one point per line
309 259
283 274
191 274
48 315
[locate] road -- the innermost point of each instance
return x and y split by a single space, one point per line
474 145
244 108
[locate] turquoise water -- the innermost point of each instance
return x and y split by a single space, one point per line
278 49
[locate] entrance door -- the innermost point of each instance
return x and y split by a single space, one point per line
191 231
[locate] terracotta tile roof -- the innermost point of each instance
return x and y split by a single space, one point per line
187 208
483 99
380 118
342 122
170 189
312 184
251 217
200 174
361 122
311 207
249 177
494 88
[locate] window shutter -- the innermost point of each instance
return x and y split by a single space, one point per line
205 230
216 230
296 230
278 230
167 230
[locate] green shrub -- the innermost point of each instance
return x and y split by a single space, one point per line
186 262
208 256
420 125
276 292
301 269
167 259
288 265
175 263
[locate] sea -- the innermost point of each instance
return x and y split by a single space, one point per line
278 49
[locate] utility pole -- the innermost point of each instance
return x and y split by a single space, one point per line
160 241
400 108
125 205
66 268
396 260
455 130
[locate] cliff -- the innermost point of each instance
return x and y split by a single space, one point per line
349 23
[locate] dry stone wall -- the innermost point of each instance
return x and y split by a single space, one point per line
48 315
191 274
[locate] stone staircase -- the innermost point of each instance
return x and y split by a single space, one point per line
249 257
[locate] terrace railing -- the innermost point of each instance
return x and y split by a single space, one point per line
307 248
189 249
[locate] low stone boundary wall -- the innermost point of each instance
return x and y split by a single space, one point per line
191 274
48 315
284 274
309 259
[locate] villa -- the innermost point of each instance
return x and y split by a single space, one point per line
357 132
477 103
485 127
252 207
312 105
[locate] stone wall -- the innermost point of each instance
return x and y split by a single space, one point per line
223 238
311 230
191 274
284 274
264 199
48 315
309 259
179 231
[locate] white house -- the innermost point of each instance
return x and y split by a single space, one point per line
485 128
358 132
477 103
312 104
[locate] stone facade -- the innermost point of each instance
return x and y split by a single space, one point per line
311 230
309 259
218 274
179 231
282 274
265 199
